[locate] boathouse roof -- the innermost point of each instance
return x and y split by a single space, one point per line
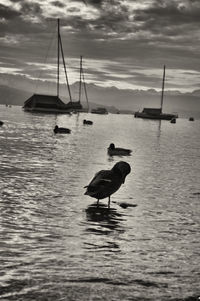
40 100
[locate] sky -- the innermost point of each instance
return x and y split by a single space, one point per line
124 43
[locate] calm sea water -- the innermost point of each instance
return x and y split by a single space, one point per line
56 245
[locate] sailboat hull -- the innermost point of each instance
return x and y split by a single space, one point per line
161 116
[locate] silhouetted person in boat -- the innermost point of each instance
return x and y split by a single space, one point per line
87 122
118 151
61 130
106 182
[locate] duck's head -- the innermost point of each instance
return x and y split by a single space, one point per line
124 169
112 146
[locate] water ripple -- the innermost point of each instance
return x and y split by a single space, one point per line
56 244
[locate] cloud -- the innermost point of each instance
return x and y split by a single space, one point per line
97 3
161 16
136 36
58 4
8 13
30 9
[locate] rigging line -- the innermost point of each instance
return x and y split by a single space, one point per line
80 83
45 59
84 85
65 69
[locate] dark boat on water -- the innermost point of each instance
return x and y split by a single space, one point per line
44 103
156 113
99 110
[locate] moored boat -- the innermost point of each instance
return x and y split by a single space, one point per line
153 113
99 110
156 113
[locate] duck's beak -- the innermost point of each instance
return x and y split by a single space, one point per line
123 179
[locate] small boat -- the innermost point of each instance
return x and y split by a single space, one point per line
191 119
61 130
118 151
99 110
1 123
52 103
87 122
156 113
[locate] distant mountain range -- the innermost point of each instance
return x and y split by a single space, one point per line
126 101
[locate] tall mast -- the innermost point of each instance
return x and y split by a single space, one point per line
80 79
58 57
163 86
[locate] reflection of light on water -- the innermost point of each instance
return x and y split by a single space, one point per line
50 236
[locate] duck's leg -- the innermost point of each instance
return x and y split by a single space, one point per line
109 202
97 202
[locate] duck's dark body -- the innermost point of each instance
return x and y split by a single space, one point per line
61 130
191 119
87 122
106 182
1 123
118 151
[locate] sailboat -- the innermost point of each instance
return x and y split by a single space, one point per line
44 103
156 113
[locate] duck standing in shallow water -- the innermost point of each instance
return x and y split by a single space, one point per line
106 182
118 151
61 130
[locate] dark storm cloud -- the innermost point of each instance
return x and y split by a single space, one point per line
97 3
8 13
164 16
21 21
58 4
113 16
30 9
171 18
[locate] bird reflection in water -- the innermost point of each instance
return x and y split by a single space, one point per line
103 222
107 218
